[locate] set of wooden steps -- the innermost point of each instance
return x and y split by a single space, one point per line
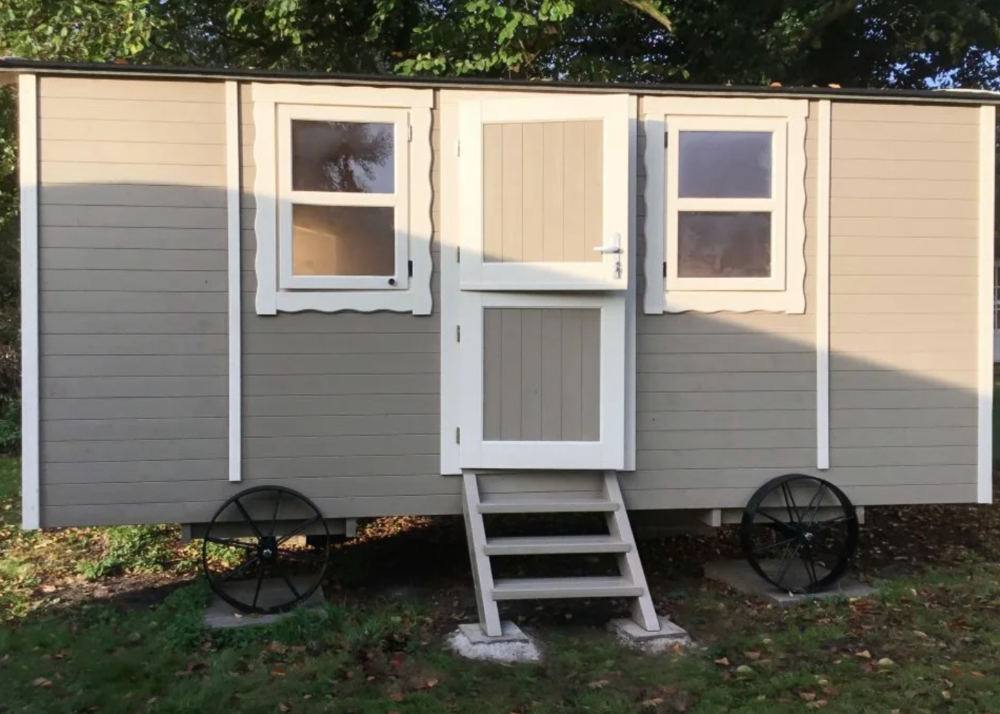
630 583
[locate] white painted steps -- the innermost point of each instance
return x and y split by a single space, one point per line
513 494
551 588
555 545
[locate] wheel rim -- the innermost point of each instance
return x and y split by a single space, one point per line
799 533
262 569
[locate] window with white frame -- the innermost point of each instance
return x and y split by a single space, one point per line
725 199
343 199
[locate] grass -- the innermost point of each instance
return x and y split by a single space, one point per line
68 644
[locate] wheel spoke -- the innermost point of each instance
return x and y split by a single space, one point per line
301 528
246 517
242 568
810 565
765 548
817 499
790 503
288 582
277 505
256 592
788 528
230 543
827 525
785 563
303 557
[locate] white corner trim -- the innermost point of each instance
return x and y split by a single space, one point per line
654 130
233 276
448 237
27 95
822 271
631 301
265 195
343 96
421 208
987 196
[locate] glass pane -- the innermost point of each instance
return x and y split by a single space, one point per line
343 240
342 156
725 164
724 245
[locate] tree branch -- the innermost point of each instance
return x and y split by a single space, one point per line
838 11
651 10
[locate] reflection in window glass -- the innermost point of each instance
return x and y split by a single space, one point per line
352 157
724 245
725 164
343 240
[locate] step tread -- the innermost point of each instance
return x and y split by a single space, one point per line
503 503
543 588
543 545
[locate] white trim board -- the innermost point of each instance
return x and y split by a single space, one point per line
987 197
822 271
233 277
27 95
448 237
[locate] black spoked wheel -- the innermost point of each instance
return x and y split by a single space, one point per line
799 533
254 553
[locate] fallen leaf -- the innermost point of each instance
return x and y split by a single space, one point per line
833 86
946 694
599 684
275 646
977 675
723 661
808 696
745 670
396 697
430 684
41 682
885 662
654 702
818 704
863 654
752 656
278 671
283 708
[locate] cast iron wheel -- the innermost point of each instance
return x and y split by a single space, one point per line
268 517
811 550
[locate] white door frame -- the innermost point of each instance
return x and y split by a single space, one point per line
611 273
608 452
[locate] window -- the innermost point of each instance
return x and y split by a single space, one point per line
726 199
343 199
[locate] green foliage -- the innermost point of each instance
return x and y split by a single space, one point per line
131 549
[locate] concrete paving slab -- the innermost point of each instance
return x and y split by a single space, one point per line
512 645
630 634
221 614
738 575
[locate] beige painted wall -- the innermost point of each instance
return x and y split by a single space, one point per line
345 407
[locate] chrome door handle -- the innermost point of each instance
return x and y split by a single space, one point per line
613 249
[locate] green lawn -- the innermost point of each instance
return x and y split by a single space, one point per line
929 642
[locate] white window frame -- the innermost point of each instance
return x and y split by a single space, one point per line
784 289
275 106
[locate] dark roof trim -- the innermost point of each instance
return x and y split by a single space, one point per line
967 96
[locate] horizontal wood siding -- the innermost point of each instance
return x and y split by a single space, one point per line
903 293
133 310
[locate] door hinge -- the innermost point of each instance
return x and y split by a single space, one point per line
458 435
409 132
409 267
664 270
458 148
666 139
458 333
458 254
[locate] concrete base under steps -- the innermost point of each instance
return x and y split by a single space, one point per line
738 575
221 614
632 635
512 645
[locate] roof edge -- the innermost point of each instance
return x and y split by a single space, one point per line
949 96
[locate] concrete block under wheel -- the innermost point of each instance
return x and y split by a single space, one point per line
221 614
738 575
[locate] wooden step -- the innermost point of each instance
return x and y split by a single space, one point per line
519 503
546 588
551 545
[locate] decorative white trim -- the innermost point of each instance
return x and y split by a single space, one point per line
785 292
265 189
27 95
608 274
608 451
410 294
448 239
822 272
987 197
343 96
233 276
632 296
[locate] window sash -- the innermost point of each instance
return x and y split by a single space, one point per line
398 200
775 205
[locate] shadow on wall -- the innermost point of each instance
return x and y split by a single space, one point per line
345 407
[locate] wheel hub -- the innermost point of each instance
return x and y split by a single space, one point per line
267 548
